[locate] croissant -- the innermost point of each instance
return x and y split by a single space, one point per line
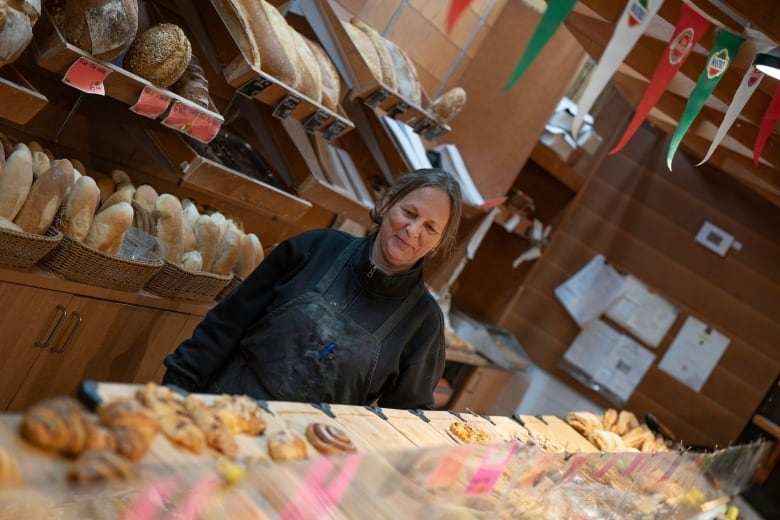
218 436
59 424
130 442
97 465
181 430
98 437
129 413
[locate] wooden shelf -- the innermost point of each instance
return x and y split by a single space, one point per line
555 166
20 100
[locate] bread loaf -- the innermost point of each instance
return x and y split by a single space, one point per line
16 31
109 227
221 222
207 236
120 178
16 181
190 211
44 200
365 48
385 60
107 187
447 106
146 197
405 73
228 251
78 166
169 219
103 28
192 261
311 80
34 146
246 258
275 40
193 84
259 253
189 243
160 54
331 83
7 224
8 144
40 163
125 195
239 22
79 208
66 166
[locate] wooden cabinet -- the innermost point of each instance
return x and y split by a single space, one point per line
479 389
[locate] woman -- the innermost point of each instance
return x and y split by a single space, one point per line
329 317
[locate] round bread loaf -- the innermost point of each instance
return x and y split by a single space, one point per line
447 106
160 54
103 28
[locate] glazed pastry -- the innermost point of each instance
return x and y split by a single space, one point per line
465 432
217 434
59 424
98 437
609 420
286 446
328 439
129 413
240 413
9 470
97 465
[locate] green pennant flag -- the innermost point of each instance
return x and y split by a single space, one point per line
723 51
553 17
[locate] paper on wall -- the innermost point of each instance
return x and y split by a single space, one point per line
693 354
646 315
591 290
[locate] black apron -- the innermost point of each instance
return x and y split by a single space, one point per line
306 351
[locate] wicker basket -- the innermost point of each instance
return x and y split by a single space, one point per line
232 284
20 249
75 261
174 282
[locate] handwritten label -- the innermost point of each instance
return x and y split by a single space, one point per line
377 97
424 124
151 102
205 127
288 104
447 471
488 472
323 489
316 121
180 117
253 87
333 130
87 76
398 109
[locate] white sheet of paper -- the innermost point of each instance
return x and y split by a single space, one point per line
694 353
646 315
624 368
591 346
591 290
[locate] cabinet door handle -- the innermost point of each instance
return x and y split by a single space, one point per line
56 328
64 346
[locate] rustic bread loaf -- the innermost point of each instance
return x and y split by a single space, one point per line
385 60
365 48
16 181
331 84
169 226
447 106
311 80
103 28
228 251
109 227
17 18
276 42
239 22
44 199
160 54
79 208
146 198
405 73
193 84
207 236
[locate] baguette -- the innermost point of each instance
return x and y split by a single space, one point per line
121 179
385 60
228 251
7 224
109 227
67 167
192 261
146 197
40 163
123 195
259 252
107 187
207 237
220 220
79 208
189 243
246 258
169 226
16 181
44 199
190 211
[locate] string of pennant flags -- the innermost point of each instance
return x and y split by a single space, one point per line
692 24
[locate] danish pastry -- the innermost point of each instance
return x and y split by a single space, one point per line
217 434
97 465
286 446
130 442
328 439
240 413
130 413
583 422
465 432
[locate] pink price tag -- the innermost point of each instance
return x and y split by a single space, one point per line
448 469
205 127
486 476
151 102
323 489
180 117
87 76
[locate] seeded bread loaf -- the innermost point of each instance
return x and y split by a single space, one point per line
160 54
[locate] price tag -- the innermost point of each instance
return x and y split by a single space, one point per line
253 87
424 124
333 130
434 132
87 76
448 470
377 97
398 109
488 472
151 102
180 117
287 105
205 127
323 489
316 121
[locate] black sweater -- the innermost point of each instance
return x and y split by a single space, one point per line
411 359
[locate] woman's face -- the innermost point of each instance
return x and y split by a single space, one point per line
411 228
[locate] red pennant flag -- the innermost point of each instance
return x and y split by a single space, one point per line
690 28
767 123
456 9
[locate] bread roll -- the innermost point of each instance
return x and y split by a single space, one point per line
385 60
7 224
311 80
447 106
16 31
190 211
246 258
207 236
405 73
44 200
259 253
40 163
34 146
103 28
125 195
16 181
228 251
192 261
193 84
169 226
66 166
107 187
221 222
146 197
365 48
331 84
79 208
189 243
160 54
120 178
109 227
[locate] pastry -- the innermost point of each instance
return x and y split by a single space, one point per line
9 470
636 437
447 106
130 442
192 84
217 434
103 28
328 439
130 413
240 413
59 424
605 440
286 446
465 432
175 423
97 465
609 420
625 422
583 422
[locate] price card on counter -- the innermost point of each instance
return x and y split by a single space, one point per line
151 103
180 117
87 76
205 127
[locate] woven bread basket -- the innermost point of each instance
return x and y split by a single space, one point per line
20 249
174 282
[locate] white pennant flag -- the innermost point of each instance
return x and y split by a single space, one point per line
750 82
630 26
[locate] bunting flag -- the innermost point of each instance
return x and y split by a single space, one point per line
629 28
767 123
553 17
690 28
456 9
723 50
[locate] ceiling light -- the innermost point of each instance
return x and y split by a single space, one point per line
769 62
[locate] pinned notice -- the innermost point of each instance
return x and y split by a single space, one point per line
592 289
87 76
693 354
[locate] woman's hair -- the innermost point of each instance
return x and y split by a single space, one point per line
420 179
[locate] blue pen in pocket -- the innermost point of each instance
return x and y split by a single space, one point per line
326 351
